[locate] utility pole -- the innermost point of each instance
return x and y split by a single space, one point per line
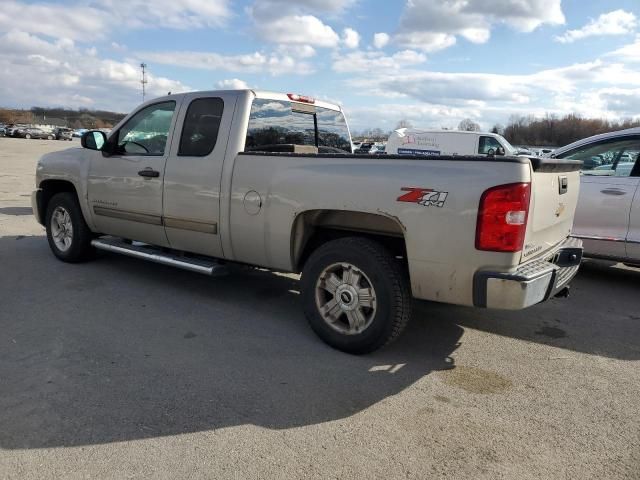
144 82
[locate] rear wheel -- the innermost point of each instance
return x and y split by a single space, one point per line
68 234
356 295
27 136
50 137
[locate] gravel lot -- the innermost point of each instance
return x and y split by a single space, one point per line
123 369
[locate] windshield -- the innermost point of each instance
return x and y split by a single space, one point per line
275 122
508 148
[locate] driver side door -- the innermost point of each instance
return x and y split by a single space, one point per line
125 185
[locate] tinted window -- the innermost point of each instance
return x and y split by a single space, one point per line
201 125
147 131
274 122
332 130
610 158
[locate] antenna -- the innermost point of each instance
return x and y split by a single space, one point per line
143 66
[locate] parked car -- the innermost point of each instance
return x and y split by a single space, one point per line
34 133
12 130
62 133
413 141
379 150
79 132
608 214
365 148
366 233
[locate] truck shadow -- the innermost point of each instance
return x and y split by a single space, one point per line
119 349
17 211
601 316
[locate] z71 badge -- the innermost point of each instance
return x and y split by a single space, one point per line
426 197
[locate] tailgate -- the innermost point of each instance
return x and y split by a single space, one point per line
554 195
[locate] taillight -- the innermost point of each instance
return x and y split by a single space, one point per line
502 218
301 98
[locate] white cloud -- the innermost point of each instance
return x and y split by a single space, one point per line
275 8
432 26
232 84
630 52
80 20
298 30
350 38
256 62
61 73
297 51
617 22
373 61
380 40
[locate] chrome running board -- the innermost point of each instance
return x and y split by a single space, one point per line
157 255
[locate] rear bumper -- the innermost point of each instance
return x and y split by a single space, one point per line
531 283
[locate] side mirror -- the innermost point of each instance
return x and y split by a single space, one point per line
500 151
93 140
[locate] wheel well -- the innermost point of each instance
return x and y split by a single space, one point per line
314 228
48 189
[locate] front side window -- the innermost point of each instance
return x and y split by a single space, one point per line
201 125
615 158
274 123
146 133
488 145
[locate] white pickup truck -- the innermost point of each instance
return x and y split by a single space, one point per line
201 179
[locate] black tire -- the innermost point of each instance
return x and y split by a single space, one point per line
80 249
385 274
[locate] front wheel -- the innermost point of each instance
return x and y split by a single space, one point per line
355 294
68 234
27 136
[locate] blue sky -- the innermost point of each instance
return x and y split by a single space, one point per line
431 62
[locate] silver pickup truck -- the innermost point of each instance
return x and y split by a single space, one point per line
201 179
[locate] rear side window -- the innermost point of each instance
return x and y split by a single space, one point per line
274 123
201 126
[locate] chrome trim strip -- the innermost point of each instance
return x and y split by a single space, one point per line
131 216
153 257
595 237
195 226
179 223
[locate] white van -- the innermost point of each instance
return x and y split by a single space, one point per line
413 141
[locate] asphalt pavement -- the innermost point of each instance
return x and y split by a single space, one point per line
119 368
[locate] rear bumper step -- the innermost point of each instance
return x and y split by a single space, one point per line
531 283
156 255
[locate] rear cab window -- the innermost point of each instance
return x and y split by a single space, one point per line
275 124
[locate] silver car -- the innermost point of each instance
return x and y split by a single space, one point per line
608 214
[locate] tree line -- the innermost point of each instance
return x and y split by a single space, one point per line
81 118
555 131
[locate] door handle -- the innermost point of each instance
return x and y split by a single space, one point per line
613 191
149 173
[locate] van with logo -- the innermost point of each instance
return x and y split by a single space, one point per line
414 141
